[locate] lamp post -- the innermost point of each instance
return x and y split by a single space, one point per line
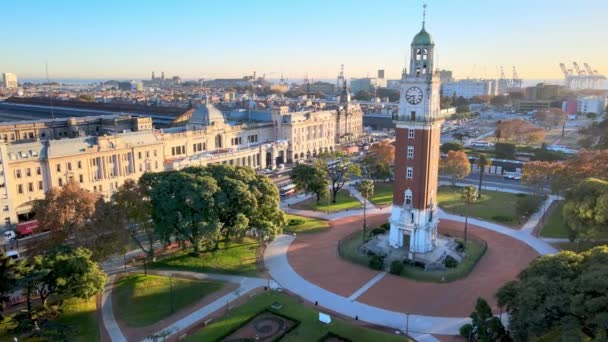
407 325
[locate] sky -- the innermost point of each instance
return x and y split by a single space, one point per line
214 39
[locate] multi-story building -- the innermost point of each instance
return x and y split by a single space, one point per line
101 153
469 88
9 80
362 84
322 87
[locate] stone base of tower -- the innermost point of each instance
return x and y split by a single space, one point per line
419 225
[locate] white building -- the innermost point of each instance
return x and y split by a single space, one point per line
469 88
591 104
9 80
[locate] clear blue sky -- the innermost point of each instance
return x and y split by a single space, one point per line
192 39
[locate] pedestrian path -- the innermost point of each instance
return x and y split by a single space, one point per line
366 287
535 218
107 314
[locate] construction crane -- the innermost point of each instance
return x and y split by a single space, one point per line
515 80
578 78
568 77
502 73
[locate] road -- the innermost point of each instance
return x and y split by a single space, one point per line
490 181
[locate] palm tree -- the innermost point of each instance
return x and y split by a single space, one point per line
468 196
366 188
482 161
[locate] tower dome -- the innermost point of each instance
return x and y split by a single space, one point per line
423 38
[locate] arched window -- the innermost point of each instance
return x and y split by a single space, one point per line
218 141
425 54
418 54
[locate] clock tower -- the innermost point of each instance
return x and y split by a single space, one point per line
418 129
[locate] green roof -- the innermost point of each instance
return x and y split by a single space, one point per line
422 38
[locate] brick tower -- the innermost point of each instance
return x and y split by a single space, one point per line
418 129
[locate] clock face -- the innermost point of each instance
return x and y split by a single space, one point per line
413 95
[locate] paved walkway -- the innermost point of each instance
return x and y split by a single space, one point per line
107 314
275 259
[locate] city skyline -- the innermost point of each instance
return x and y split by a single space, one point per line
194 40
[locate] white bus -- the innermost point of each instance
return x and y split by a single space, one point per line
287 190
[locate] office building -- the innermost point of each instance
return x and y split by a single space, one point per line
9 80
468 88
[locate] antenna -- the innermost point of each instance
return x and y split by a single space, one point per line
48 82
423 15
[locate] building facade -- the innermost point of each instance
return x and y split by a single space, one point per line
102 152
469 88
9 80
418 128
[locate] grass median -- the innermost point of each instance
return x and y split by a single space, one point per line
144 300
301 224
344 201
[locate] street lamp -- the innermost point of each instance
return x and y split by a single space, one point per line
407 325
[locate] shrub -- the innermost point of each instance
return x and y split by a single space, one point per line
376 262
466 330
450 262
501 218
525 206
295 222
396 267
377 231
386 226
519 194
459 246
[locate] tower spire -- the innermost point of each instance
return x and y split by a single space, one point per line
423 15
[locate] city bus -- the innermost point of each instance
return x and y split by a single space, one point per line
287 190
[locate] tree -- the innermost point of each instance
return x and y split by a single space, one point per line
70 215
363 95
61 273
462 109
499 101
519 131
484 326
564 292
184 207
338 169
205 205
366 188
504 150
8 279
540 174
309 178
455 164
585 164
383 151
586 209
595 136
482 162
134 210
469 196
451 146
379 161
551 118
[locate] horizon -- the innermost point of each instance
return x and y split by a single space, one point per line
296 39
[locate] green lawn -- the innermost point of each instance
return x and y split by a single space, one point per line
309 329
383 193
231 257
301 224
78 315
493 206
343 202
555 226
144 300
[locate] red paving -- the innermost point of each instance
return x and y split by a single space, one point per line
315 257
